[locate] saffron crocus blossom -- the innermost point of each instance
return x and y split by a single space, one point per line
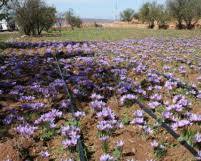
79 114
97 105
197 138
106 114
120 144
26 130
154 104
106 157
127 97
34 106
154 144
156 97
181 123
71 134
199 155
45 154
95 96
138 118
49 116
104 138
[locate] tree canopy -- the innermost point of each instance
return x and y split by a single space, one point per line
127 15
34 16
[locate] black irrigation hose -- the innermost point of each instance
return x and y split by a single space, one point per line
68 56
80 144
180 84
148 111
168 129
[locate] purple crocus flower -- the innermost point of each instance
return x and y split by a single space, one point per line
154 144
120 144
79 114
95 96
139 113
49 116
199 155
106 157
198 138
97 105
26 130
104 138
127 97
45 154
72 134
154 104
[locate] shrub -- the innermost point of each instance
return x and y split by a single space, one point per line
127 15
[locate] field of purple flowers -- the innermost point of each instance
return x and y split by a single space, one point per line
137 99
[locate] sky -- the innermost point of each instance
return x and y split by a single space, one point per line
100 9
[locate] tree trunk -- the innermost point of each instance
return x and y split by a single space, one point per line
179 24
151 25
189 24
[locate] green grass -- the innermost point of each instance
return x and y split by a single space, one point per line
91 34
4 36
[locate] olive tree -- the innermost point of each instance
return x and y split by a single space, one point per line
127 15
188 11
73 21
149 13
175 9
191 12
162 17
34 16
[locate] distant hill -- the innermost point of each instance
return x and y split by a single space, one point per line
91 20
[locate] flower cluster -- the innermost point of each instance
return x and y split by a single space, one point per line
107 120
106 157
127 97
26 130
34 106
138 118
72 135
49 116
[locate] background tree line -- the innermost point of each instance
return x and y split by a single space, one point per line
35 16
186 13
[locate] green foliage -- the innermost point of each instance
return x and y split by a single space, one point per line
47 132
136 16
125 120
160 151
73 21
151 12
127 15
105 147
72 123
187 136
188 11
117 153
47 19
34 16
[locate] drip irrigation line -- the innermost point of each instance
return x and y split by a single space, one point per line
181 84
148 111
168 129
80 144
68 56
67 91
